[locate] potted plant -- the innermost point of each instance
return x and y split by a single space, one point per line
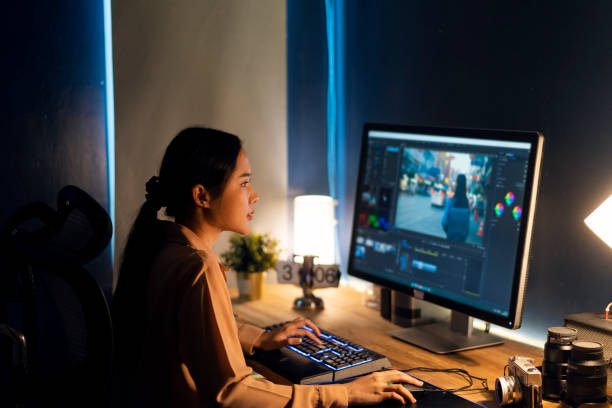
251 256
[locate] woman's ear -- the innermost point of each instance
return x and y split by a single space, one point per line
201 196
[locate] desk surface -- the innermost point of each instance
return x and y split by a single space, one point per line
345 315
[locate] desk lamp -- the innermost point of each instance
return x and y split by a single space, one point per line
600 222
313 237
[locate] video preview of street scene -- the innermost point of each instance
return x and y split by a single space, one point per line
444 194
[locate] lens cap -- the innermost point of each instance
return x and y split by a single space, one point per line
561 335
586 350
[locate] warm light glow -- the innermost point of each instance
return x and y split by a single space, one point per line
600 221
313 227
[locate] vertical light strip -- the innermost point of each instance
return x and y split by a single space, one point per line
110 118
340 131
335 111
331 96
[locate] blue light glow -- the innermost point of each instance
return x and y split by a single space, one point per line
110 118
331 96
340 128
323 353
298 351
325 364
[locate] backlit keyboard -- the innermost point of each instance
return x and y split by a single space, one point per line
335 359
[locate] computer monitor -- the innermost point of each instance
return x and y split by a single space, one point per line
446 215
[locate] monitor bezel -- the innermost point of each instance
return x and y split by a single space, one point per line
536 139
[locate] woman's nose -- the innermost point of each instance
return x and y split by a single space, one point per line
254 197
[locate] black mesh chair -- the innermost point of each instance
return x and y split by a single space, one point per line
55 329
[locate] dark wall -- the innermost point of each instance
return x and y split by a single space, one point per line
306 102
522 65
53 107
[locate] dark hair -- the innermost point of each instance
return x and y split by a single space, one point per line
195 156
460 198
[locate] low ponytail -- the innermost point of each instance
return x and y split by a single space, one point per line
145 238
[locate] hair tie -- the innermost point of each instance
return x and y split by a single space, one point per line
155 193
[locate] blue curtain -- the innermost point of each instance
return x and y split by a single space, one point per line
334 12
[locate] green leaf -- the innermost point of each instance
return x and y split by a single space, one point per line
251 253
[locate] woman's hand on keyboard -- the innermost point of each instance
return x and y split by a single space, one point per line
379 386
290 333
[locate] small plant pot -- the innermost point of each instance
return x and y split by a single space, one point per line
250 285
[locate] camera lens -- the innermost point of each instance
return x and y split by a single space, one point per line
556 355
586 374
508 390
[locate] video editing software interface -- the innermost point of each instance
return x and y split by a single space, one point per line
442 214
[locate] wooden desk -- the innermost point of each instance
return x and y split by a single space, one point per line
345 315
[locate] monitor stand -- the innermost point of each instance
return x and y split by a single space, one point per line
442 338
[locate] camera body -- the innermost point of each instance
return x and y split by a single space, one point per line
522 386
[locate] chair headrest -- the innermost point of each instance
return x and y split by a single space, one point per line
77 232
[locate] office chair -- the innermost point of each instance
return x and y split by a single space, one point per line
60 346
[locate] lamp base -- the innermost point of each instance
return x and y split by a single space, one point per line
308 301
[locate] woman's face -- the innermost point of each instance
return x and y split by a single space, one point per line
233 209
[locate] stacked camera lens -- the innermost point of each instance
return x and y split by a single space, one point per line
554 367
586 374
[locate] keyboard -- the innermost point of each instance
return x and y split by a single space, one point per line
310 363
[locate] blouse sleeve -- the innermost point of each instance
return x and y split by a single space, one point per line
247 334
210 348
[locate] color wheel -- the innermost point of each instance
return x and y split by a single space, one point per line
499 209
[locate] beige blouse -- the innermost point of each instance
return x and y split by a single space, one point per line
193 351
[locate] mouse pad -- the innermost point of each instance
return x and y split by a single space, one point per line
429 396
430 399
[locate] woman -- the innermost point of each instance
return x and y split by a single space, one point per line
177 343
456 217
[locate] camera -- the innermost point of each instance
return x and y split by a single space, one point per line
522 386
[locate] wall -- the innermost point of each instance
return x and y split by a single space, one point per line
528 65
53 113
307 92
216 63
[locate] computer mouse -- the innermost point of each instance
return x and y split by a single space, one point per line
414 389
419 392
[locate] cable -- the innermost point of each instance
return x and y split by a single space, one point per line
459 371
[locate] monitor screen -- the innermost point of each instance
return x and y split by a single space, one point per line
446 215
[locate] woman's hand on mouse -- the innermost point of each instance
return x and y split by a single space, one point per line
379 386
290 333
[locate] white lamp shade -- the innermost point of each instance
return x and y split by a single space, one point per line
600 221
313 227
